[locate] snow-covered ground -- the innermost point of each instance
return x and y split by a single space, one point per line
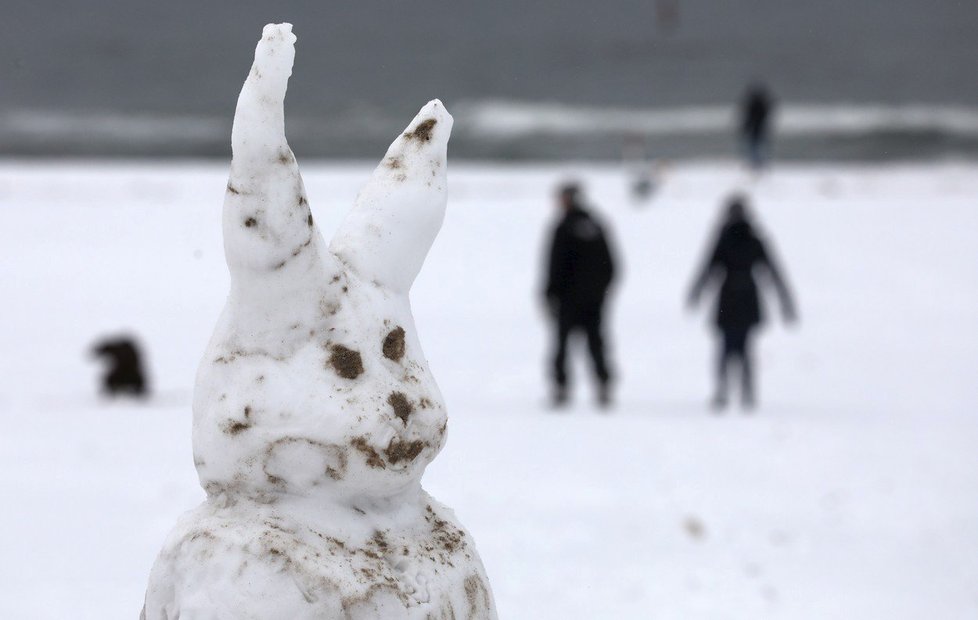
851 493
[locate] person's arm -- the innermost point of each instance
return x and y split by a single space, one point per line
556 268
704 275
785 298
607 257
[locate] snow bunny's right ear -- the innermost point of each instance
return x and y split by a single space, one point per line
399 211
268 226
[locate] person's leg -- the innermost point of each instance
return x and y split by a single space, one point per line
756 152
746 372
595 343
736 343
564 327
747 149
722 361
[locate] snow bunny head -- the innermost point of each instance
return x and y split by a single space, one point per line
314 382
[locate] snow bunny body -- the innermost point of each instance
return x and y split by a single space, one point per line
315 413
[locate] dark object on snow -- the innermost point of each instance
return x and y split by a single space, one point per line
124 373
756 113
579 274
642 187
735 257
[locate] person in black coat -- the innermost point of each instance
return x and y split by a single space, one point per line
755 122
739 255
579 273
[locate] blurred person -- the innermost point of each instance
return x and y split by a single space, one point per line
737 254
579 274
756 111
644 174
124 368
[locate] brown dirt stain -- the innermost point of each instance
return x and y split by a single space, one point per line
346 362
379 540
398 450
394 344
373 457
235 427
423 131
401 405
477 595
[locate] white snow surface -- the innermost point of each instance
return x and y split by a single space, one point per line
851 493
315 413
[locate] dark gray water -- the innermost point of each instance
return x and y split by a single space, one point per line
122 77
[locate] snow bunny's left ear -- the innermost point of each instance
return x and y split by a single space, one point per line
398 213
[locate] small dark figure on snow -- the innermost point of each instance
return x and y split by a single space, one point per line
739 255
579 274
124 372
756 113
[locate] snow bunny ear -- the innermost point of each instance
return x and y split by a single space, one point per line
268 227
399 211
259 119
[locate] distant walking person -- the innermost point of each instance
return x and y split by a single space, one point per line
735 258
579 274
758 107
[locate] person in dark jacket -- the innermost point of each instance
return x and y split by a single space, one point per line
755 122
579 274
739 255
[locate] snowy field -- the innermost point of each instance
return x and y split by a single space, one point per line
851 493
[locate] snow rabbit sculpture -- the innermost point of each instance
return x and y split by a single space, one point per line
315 413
